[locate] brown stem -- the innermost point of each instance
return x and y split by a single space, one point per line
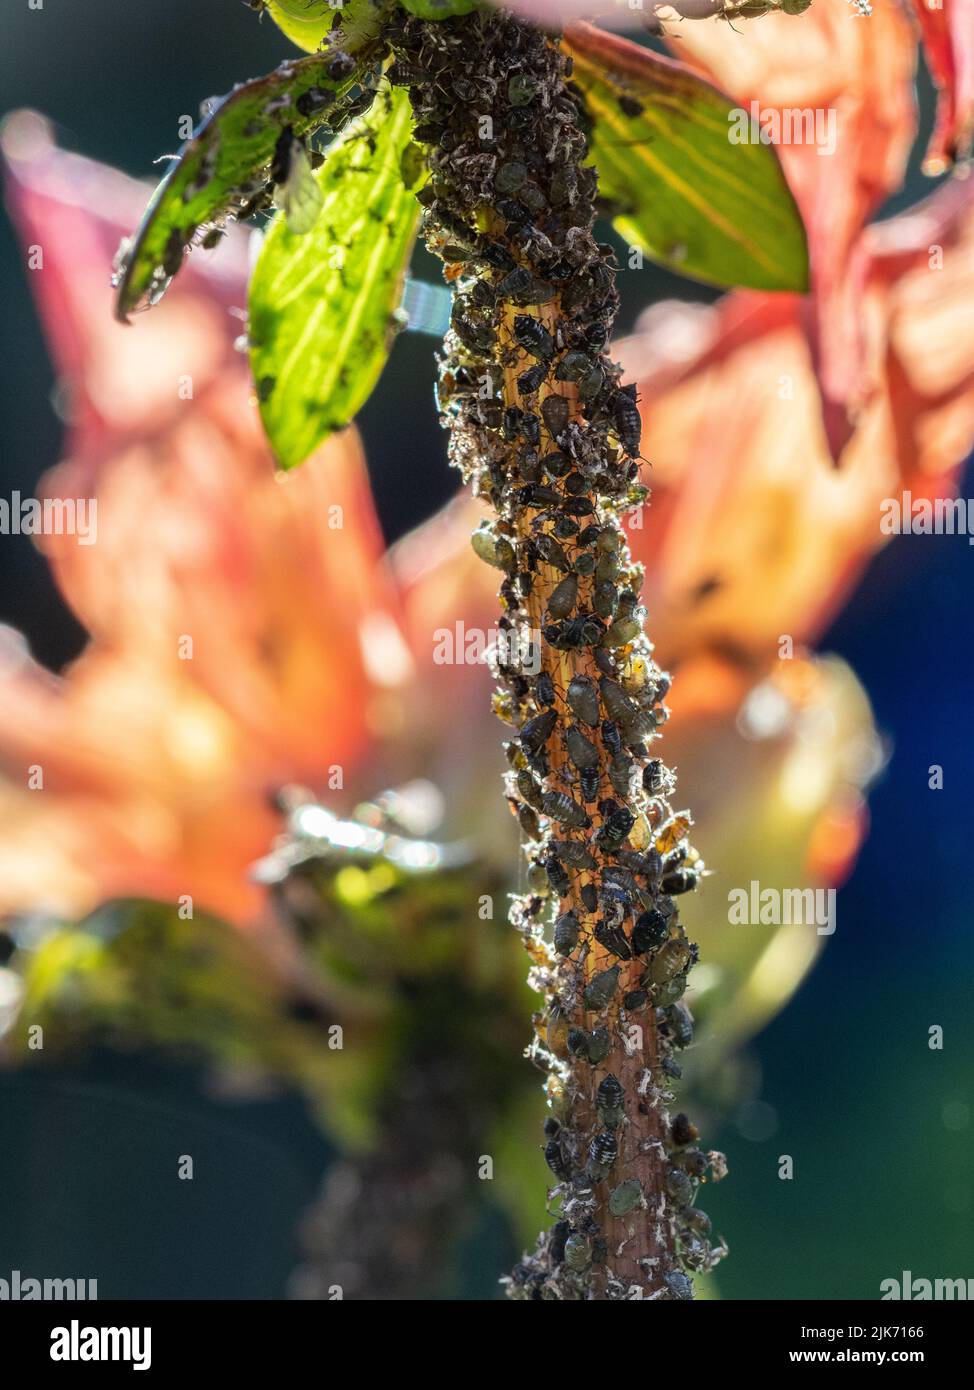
542 427
629 1238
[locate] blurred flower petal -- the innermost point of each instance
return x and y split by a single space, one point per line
750 534
782 807
826 61
554 15
948 42
243 635
120 379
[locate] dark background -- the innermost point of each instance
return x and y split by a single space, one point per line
877 1124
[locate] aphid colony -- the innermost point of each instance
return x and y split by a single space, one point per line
543 427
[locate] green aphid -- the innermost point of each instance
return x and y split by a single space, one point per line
625 1197
578 1252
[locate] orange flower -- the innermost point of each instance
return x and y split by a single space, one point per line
858 74
242 633
751 535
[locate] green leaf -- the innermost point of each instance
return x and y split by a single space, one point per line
439 9
322 305
225 163
308 22
679 189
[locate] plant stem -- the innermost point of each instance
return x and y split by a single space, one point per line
543 430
